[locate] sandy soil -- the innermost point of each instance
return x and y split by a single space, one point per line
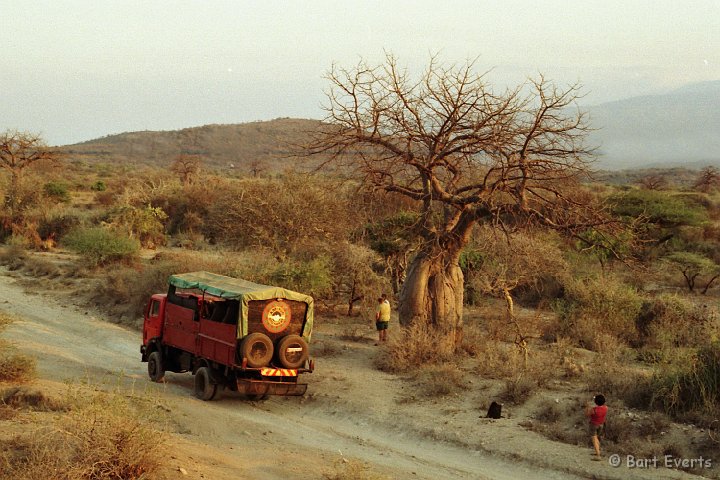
351 411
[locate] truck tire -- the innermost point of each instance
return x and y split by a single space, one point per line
205 388
156 369
258 349
293 351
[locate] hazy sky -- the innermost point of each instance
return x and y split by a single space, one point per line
77 70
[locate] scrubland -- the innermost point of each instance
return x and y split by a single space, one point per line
642 328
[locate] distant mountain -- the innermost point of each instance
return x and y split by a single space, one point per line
681 127
267 145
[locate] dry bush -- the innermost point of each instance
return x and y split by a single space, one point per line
559 421
13 256
595 308
25 398
323 348
440 380
125 291
634 386
16 368
100 439
518 389
691 385
5 320
413 346
346 469
355 333
40 267
472 339
669 321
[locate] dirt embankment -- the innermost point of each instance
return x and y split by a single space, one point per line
351 412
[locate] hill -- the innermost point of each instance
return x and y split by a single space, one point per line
677 128
265 145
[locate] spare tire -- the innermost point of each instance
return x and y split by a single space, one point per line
293 351
258 349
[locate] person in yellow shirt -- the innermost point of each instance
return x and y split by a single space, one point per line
382 318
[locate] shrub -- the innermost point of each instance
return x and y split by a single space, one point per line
690 385
412 347
57 226
669 321
146 224
593 309
16 368
518 389
100 246
13 256
313 276
440 380
57 191
101 439
125 290
98 186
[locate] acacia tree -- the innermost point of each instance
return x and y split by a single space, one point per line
18 152
466 155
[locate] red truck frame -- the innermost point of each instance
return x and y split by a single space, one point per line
229 333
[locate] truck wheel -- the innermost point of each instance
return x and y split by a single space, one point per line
258 349
156 370
205 389
293 351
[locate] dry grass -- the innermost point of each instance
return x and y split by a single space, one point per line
347 469
413 347
103 437
16 368
30 399
13 257
40 267
433 381
323 348
355 333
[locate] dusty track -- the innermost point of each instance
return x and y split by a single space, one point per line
350 412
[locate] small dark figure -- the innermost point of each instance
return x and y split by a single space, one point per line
495 410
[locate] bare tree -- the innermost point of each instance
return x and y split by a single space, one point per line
654 181
465 154
18 152
187 167
708 179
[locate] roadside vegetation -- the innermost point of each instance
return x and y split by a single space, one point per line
99 434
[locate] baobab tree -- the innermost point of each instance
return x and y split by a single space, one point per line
18 152
466 155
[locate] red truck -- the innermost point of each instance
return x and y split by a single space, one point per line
229 332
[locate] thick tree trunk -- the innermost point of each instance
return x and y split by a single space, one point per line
432 294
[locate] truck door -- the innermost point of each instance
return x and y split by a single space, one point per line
152 326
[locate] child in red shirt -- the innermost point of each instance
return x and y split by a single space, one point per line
596 421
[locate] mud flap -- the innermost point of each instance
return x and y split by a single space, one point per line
264 387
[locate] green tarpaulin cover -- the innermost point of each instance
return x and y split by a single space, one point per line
244 291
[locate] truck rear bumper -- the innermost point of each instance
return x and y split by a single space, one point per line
265 387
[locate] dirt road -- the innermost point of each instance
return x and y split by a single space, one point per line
351 412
